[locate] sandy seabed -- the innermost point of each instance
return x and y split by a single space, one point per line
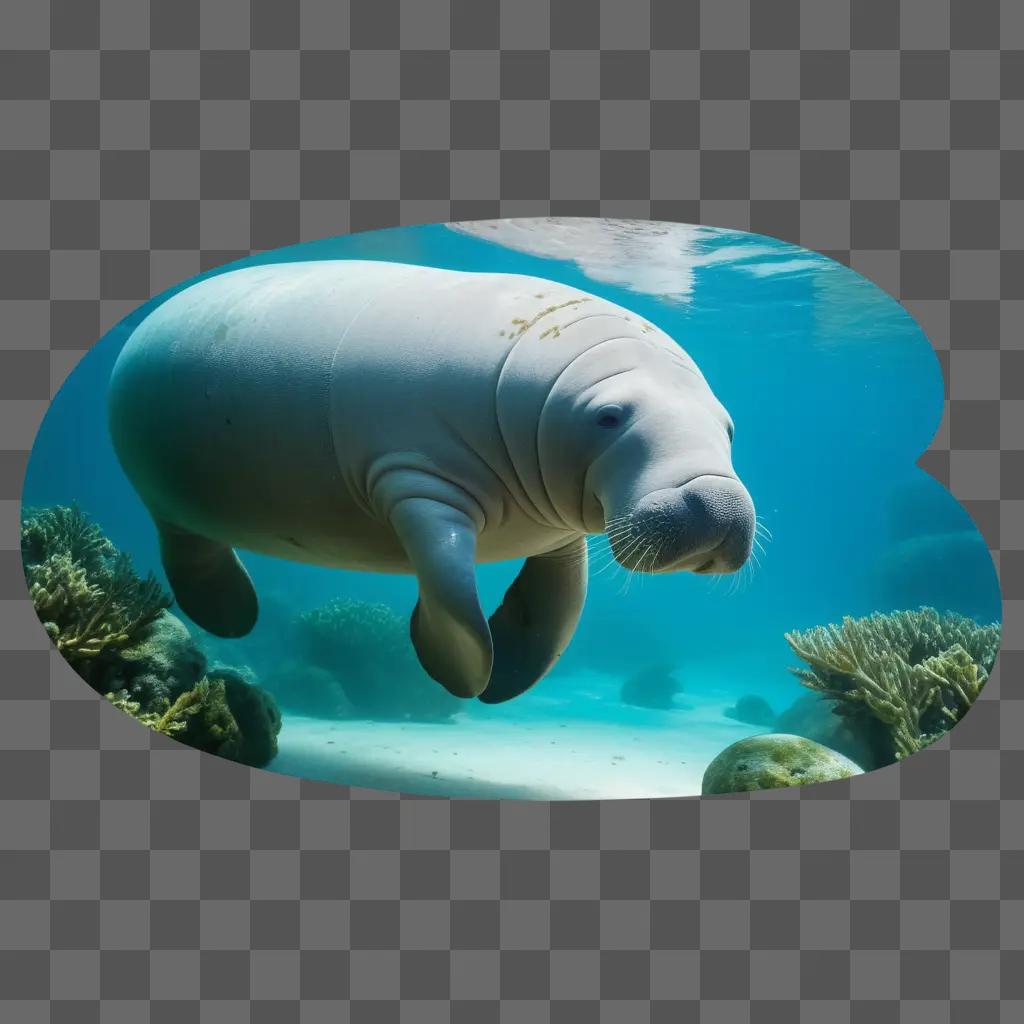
606 751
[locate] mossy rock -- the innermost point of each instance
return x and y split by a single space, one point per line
774 761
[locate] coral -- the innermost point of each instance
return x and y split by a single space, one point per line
208 723
752 709
113 628
366 648
64 529
773 761
653 686
162 662
155 720
196 717
225 716
256 714
85 592
916 672
309 690
222 714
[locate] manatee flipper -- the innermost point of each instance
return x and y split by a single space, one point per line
448 627
536 620
209 583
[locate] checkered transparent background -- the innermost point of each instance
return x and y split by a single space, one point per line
143 142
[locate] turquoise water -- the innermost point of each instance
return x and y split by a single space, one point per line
834 391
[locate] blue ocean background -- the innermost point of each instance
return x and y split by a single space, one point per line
835 393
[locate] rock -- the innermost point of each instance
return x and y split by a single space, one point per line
753 710
652 687
774 761
812 717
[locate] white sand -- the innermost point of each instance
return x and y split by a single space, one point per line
592 747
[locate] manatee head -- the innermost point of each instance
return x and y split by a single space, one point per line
657 447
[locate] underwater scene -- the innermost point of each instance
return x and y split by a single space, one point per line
541 508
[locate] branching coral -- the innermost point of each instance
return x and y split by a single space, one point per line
85 592
112 627
64 529
200 717
223 715
916 672
171 719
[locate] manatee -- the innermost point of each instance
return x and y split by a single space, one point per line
392 418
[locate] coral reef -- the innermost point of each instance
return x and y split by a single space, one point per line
169 721
224 715
257 718
366 648
752 709
309 690
774 761
85 592
916 672
114 629
163 662
199 717
653 686
65 529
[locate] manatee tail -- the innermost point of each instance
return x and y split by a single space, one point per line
209 583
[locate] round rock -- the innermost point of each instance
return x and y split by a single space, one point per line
773 761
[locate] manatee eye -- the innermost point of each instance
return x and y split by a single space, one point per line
611 416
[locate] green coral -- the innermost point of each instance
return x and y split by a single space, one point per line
774 761
198 717
915 672
112 626
85 592
222 715
155 720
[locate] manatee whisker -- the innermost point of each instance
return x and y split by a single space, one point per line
630 548
604 559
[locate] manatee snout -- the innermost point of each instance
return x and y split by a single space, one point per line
704 526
